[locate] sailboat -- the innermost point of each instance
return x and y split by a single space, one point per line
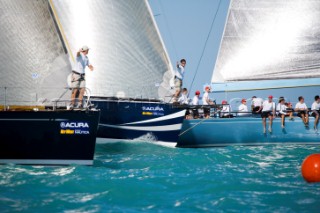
36 127
268 48
131 84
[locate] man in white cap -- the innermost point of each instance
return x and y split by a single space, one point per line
78 81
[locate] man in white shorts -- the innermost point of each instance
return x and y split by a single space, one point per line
179 74
302 110
256 105
78 81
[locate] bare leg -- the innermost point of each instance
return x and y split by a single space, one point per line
176 95
270 123
316 120
264 124
291 115
302 117
307 118
81 95
282 120
73 96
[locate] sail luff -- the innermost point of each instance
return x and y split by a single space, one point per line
217 75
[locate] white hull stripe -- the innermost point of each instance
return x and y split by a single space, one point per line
162 118
46 162
173 127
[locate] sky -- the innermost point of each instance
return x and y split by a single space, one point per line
184 26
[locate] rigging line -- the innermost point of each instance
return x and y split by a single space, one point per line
205 44
55 14
169 30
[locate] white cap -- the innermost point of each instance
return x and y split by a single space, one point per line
85 48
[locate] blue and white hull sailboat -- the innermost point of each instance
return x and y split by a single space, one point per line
244 131
267 49
132 80
133 119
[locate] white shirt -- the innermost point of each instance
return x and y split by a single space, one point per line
281 108
195 100
225 110
179 72
315 106
80 64
268 106
301 106
205 97
243 108
183 99
257 102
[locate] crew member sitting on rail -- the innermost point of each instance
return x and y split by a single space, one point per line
183 100
316 111
195 102
302 110
256 105
268 111
225 111
282 111
243 109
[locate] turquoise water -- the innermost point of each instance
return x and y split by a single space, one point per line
143 176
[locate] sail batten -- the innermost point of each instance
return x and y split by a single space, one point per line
270 40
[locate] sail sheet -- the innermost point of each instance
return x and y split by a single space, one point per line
270 40
33 63
126 49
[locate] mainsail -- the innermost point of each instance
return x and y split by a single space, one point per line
126 49
33 63
270 40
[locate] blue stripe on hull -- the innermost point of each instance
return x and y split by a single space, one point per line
244 131
130 120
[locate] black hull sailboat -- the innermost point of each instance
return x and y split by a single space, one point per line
35 127
58 137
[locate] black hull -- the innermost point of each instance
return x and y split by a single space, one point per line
48 137
131 119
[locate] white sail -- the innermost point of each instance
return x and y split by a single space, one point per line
33 62
270 40
125 46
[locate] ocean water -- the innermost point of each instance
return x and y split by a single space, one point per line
140 176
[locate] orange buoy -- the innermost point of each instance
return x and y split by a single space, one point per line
310 168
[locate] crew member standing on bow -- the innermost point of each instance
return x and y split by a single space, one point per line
179 73
78 81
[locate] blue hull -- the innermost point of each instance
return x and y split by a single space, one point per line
244 131
133 119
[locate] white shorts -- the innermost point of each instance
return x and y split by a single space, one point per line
78 81
177 83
